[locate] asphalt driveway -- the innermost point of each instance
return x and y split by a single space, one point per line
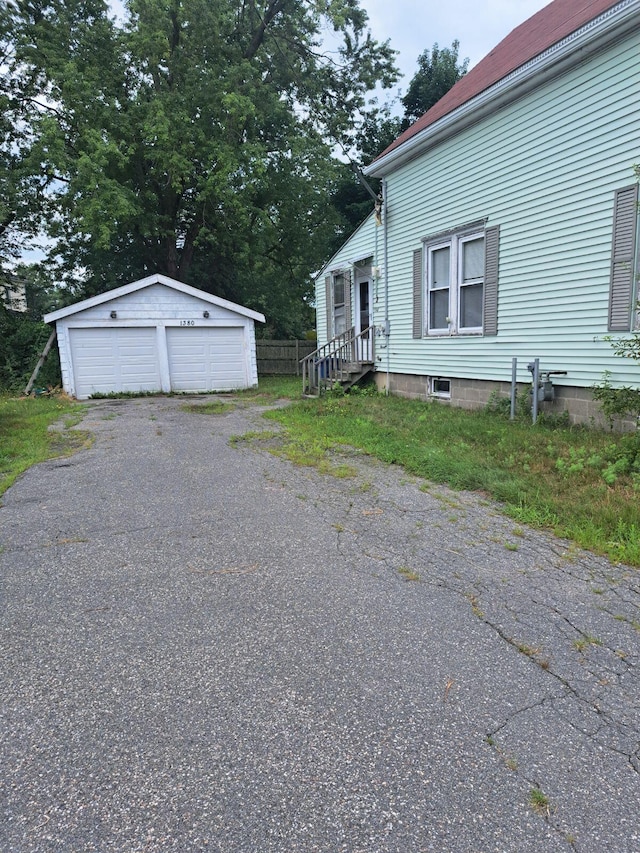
207 648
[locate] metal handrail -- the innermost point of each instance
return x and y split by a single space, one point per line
327 364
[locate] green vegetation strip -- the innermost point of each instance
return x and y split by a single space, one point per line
25 438
583 484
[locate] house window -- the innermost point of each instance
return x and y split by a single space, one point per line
339 305
455 285
439 387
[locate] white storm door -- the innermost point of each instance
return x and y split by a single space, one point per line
364 318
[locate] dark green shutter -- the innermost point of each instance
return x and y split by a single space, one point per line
490 295
625 226
418 291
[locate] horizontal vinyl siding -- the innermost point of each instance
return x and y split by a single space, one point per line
156 302
545 170
366 242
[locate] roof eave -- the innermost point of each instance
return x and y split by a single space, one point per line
593 37
317 276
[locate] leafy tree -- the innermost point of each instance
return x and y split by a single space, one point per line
22 184
41 289
438 70
22 339
23 334
195 139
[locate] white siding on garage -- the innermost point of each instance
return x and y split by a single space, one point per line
156 334
114 359
206 359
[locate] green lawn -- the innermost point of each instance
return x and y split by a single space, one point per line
25 438
582 484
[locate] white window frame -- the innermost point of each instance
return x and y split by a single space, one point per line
336 306
438 247
436 389
455 243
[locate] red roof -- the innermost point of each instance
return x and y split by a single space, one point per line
544 29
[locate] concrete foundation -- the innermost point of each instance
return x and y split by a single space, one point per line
475 394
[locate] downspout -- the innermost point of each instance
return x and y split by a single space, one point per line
385 249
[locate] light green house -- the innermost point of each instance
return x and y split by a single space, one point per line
509 226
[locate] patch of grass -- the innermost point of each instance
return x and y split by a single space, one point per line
585 641
511 546
210 407
475 606
514 463
408 574
445 499
527 650
125 395
271 388
539 802
254 436
308 454
25 437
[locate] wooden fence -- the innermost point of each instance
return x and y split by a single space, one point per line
282 356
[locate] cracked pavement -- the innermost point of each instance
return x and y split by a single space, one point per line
205 647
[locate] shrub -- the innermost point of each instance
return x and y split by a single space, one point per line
22 340
616 402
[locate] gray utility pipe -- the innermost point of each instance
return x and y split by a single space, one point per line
385 249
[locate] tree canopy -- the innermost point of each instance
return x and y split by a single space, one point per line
194 138
203 139
438 70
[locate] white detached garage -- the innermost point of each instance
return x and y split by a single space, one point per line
156 334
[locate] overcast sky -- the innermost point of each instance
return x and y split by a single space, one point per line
414 25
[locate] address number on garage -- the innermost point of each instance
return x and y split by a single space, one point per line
187 322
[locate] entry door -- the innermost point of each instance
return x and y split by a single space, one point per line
364 318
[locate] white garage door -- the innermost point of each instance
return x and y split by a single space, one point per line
206 358
114 359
